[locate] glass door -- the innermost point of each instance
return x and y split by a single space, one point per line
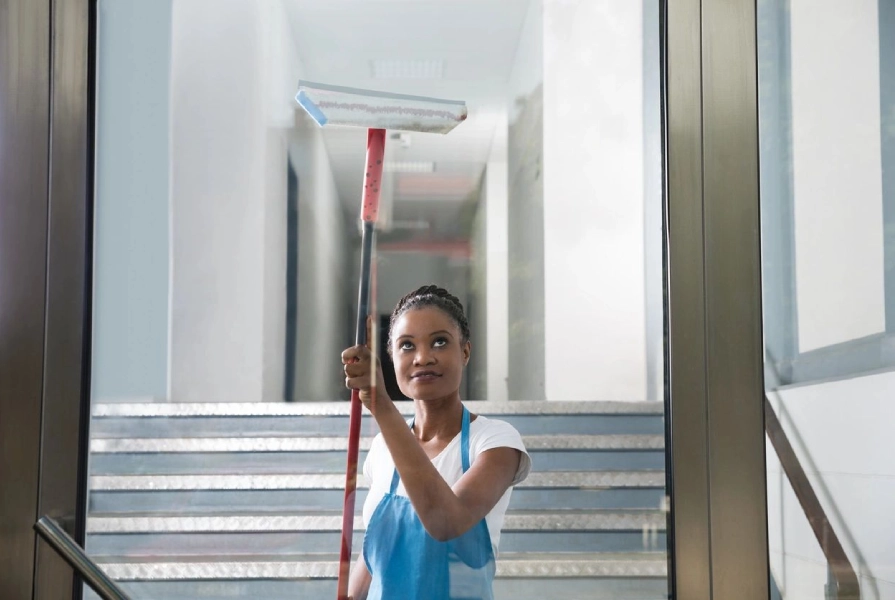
542 213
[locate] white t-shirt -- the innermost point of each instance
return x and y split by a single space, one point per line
484 434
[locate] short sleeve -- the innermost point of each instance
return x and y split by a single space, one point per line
371 457
494 433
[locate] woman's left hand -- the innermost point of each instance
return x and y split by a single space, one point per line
363 375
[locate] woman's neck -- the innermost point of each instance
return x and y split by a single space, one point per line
437 419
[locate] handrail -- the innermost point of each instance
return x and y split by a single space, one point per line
75 556
843 572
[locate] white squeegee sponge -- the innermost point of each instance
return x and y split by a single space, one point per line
337 105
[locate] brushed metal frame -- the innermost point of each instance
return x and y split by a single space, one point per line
715 339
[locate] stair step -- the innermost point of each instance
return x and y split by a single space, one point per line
640 576
608 588
327 454
285 500
241 545
330 419
570 521
284 493
247 535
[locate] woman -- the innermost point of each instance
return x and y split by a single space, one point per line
440 487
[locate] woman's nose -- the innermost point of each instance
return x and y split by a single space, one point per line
422 357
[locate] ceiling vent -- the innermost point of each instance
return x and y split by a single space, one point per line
407 69
409 166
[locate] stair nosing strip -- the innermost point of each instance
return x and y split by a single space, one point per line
337 409
163 445
506 569
643 520
336 481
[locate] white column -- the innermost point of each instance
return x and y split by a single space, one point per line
595 321
497 275
227 199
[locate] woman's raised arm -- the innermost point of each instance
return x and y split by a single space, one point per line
445 512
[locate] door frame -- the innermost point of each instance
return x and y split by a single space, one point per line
714 371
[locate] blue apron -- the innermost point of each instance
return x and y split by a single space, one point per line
409 564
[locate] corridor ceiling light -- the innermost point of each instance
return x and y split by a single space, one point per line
407 69
409 166
418 224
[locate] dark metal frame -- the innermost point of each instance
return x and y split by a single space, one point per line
25 92
45 235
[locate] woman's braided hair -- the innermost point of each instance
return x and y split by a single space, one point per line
431 295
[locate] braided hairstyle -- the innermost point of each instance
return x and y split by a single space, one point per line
431 295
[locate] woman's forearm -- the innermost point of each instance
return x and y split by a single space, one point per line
441 512
359 580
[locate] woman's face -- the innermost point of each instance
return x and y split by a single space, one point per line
428 353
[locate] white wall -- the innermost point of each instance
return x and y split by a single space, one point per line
130 296
837 170
227 207
842 435
324 296
235 126
594 200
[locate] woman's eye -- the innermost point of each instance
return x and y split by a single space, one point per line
406 346
439 342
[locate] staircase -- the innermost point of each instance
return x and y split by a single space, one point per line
228 501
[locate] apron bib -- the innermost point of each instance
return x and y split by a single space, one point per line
409 564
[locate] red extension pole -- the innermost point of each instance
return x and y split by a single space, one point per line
369 212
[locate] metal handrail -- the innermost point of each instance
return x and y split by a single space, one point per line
847 585
75 556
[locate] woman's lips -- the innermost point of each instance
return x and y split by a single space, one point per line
424 376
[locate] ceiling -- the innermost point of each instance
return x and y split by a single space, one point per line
454 49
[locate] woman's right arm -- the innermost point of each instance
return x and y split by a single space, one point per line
359 581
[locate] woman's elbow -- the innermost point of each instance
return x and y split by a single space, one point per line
443 534
445 531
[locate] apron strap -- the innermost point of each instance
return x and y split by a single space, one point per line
464 440
464 450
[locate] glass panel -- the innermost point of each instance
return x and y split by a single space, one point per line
227 260
827 128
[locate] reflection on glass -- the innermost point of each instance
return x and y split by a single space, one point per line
226 269
827 120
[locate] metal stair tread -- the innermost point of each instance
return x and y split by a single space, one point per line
546 480
325 566
284 443
341 408
593 520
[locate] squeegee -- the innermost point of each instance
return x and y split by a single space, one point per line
376 111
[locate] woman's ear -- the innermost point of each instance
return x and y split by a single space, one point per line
467 348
